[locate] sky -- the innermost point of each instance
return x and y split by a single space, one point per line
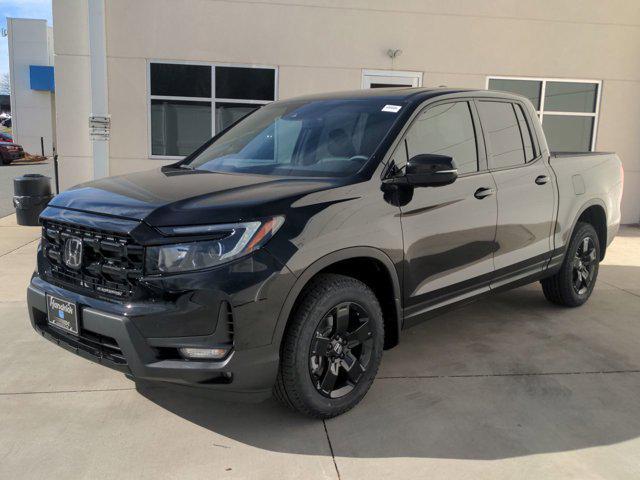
20 9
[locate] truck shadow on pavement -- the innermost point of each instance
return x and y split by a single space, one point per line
507 376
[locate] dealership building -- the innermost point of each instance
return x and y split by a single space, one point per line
32 99
141 84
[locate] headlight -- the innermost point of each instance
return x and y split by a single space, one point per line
231 241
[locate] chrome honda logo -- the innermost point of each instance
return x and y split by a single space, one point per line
73 252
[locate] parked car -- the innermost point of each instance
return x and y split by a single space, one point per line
287 252
5 137
10 152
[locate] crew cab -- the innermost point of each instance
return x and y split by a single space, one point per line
285 254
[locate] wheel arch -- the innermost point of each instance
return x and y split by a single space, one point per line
593 212
340 262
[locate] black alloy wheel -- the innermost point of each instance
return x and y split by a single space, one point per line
584 263
332 347
340 350
573 283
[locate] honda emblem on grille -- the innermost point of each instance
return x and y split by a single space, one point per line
73 252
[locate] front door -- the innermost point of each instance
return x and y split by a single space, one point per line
390 78
449 231
525 191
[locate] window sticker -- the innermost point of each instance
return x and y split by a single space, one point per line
391 108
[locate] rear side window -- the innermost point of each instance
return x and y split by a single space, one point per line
445 129
529 153
502 134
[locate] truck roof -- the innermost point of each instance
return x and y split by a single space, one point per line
403 94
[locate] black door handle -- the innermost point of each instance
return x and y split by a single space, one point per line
484 192
542 179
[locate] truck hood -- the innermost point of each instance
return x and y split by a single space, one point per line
172 196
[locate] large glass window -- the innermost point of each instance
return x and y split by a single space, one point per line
445 129
245 83
568 109
502 133
229 113
530 89
175 80
570 97
322 138
190 102
177 127
568 134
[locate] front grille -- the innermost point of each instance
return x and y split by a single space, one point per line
111 263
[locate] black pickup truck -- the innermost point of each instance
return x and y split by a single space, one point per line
285 254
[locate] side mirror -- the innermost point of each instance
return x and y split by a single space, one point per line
430 170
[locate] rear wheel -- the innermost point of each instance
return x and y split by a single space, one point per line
332 348
574 282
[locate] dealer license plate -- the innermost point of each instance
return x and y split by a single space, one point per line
62 314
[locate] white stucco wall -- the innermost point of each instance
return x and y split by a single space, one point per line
73 95
29 44
323 45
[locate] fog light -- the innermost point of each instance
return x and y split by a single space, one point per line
203 353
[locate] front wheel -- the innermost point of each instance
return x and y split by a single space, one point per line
332 347
574 282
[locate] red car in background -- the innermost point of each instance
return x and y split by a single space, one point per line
10 152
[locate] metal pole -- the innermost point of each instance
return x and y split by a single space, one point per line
42 145
55 172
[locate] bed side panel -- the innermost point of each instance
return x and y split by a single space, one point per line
584 180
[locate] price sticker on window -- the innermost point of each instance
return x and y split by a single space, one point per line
391 108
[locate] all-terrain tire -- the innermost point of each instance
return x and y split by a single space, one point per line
559 288
294 384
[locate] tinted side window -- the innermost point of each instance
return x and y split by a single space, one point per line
525 132
445 130
502 134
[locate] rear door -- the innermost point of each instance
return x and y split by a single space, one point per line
525 190
448 231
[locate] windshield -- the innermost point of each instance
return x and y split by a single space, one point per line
323 138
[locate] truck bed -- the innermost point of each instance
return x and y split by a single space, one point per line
584 180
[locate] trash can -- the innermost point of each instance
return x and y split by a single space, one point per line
31 194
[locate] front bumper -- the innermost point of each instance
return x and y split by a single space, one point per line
111 337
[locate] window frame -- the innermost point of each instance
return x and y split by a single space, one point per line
212 100
535 148
481 158
487 142
540 110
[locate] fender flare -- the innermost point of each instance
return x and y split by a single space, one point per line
324 262
588 204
